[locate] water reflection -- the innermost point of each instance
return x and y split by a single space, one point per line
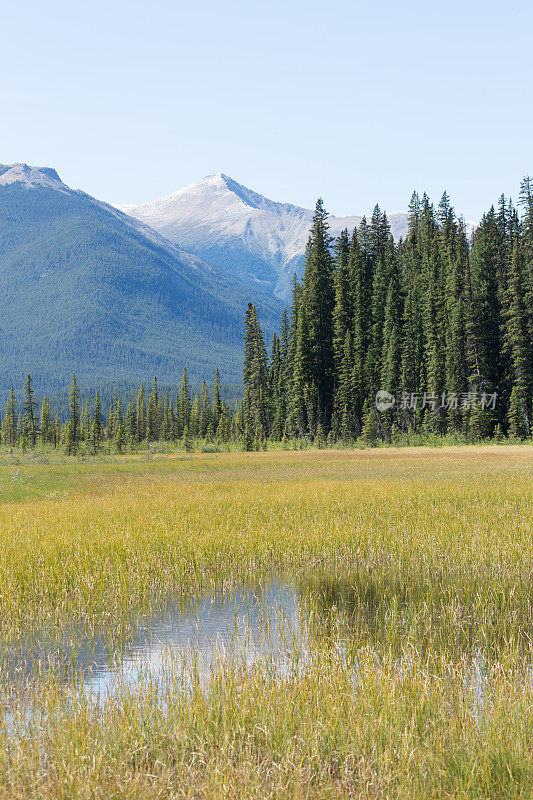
246 624
274 625
389 616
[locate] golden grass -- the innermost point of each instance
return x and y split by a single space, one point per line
449 520
415 571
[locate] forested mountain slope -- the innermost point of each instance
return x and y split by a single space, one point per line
85 288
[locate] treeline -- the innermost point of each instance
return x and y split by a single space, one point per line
432 335
425 338
150 417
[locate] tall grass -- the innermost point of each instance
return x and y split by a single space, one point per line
415 576
367 727
456 525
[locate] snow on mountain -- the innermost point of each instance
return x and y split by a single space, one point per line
47 178
31 177
235 228
108 296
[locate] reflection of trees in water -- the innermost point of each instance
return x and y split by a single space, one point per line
332 606
393 614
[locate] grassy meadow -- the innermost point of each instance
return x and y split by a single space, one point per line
414 575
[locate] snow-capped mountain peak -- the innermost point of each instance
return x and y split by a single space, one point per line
238 229
31 177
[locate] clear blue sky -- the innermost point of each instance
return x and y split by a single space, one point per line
355 101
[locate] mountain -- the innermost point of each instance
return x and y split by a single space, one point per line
232 227
85 288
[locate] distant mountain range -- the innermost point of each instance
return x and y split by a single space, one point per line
232 227
120 294
84 287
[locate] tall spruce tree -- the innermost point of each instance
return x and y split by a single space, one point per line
298 409
217 401
519 347
131 423
184 404
361 289
141 415
153 414
97 433
343 308
526 202
46 423
73 427
484 324
319 300
255 372
29 419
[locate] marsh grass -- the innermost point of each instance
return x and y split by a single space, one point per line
449 524
414 571
365 725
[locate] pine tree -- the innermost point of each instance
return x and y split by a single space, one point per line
195 416
160 412
97 432
342 310
248 421
153 419
296 301
391 360
131 423
85 422
167 426
526 202
517 414
250 318
410 364
46 423
483 322
361 288
29 420
73 428
379 236
344 424
217 401
433 318
375 345
319 299
141 415
112 416
184 413
414 217
57 431
9 423
518 346
298 410
276 391
205 410
255 373
456 333
284 338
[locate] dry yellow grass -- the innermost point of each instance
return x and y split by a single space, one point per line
415 565
461 517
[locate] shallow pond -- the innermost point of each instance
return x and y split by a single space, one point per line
245 625
278 626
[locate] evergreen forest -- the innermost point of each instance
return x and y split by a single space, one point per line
424 340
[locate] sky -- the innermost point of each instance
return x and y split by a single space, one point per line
356 102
